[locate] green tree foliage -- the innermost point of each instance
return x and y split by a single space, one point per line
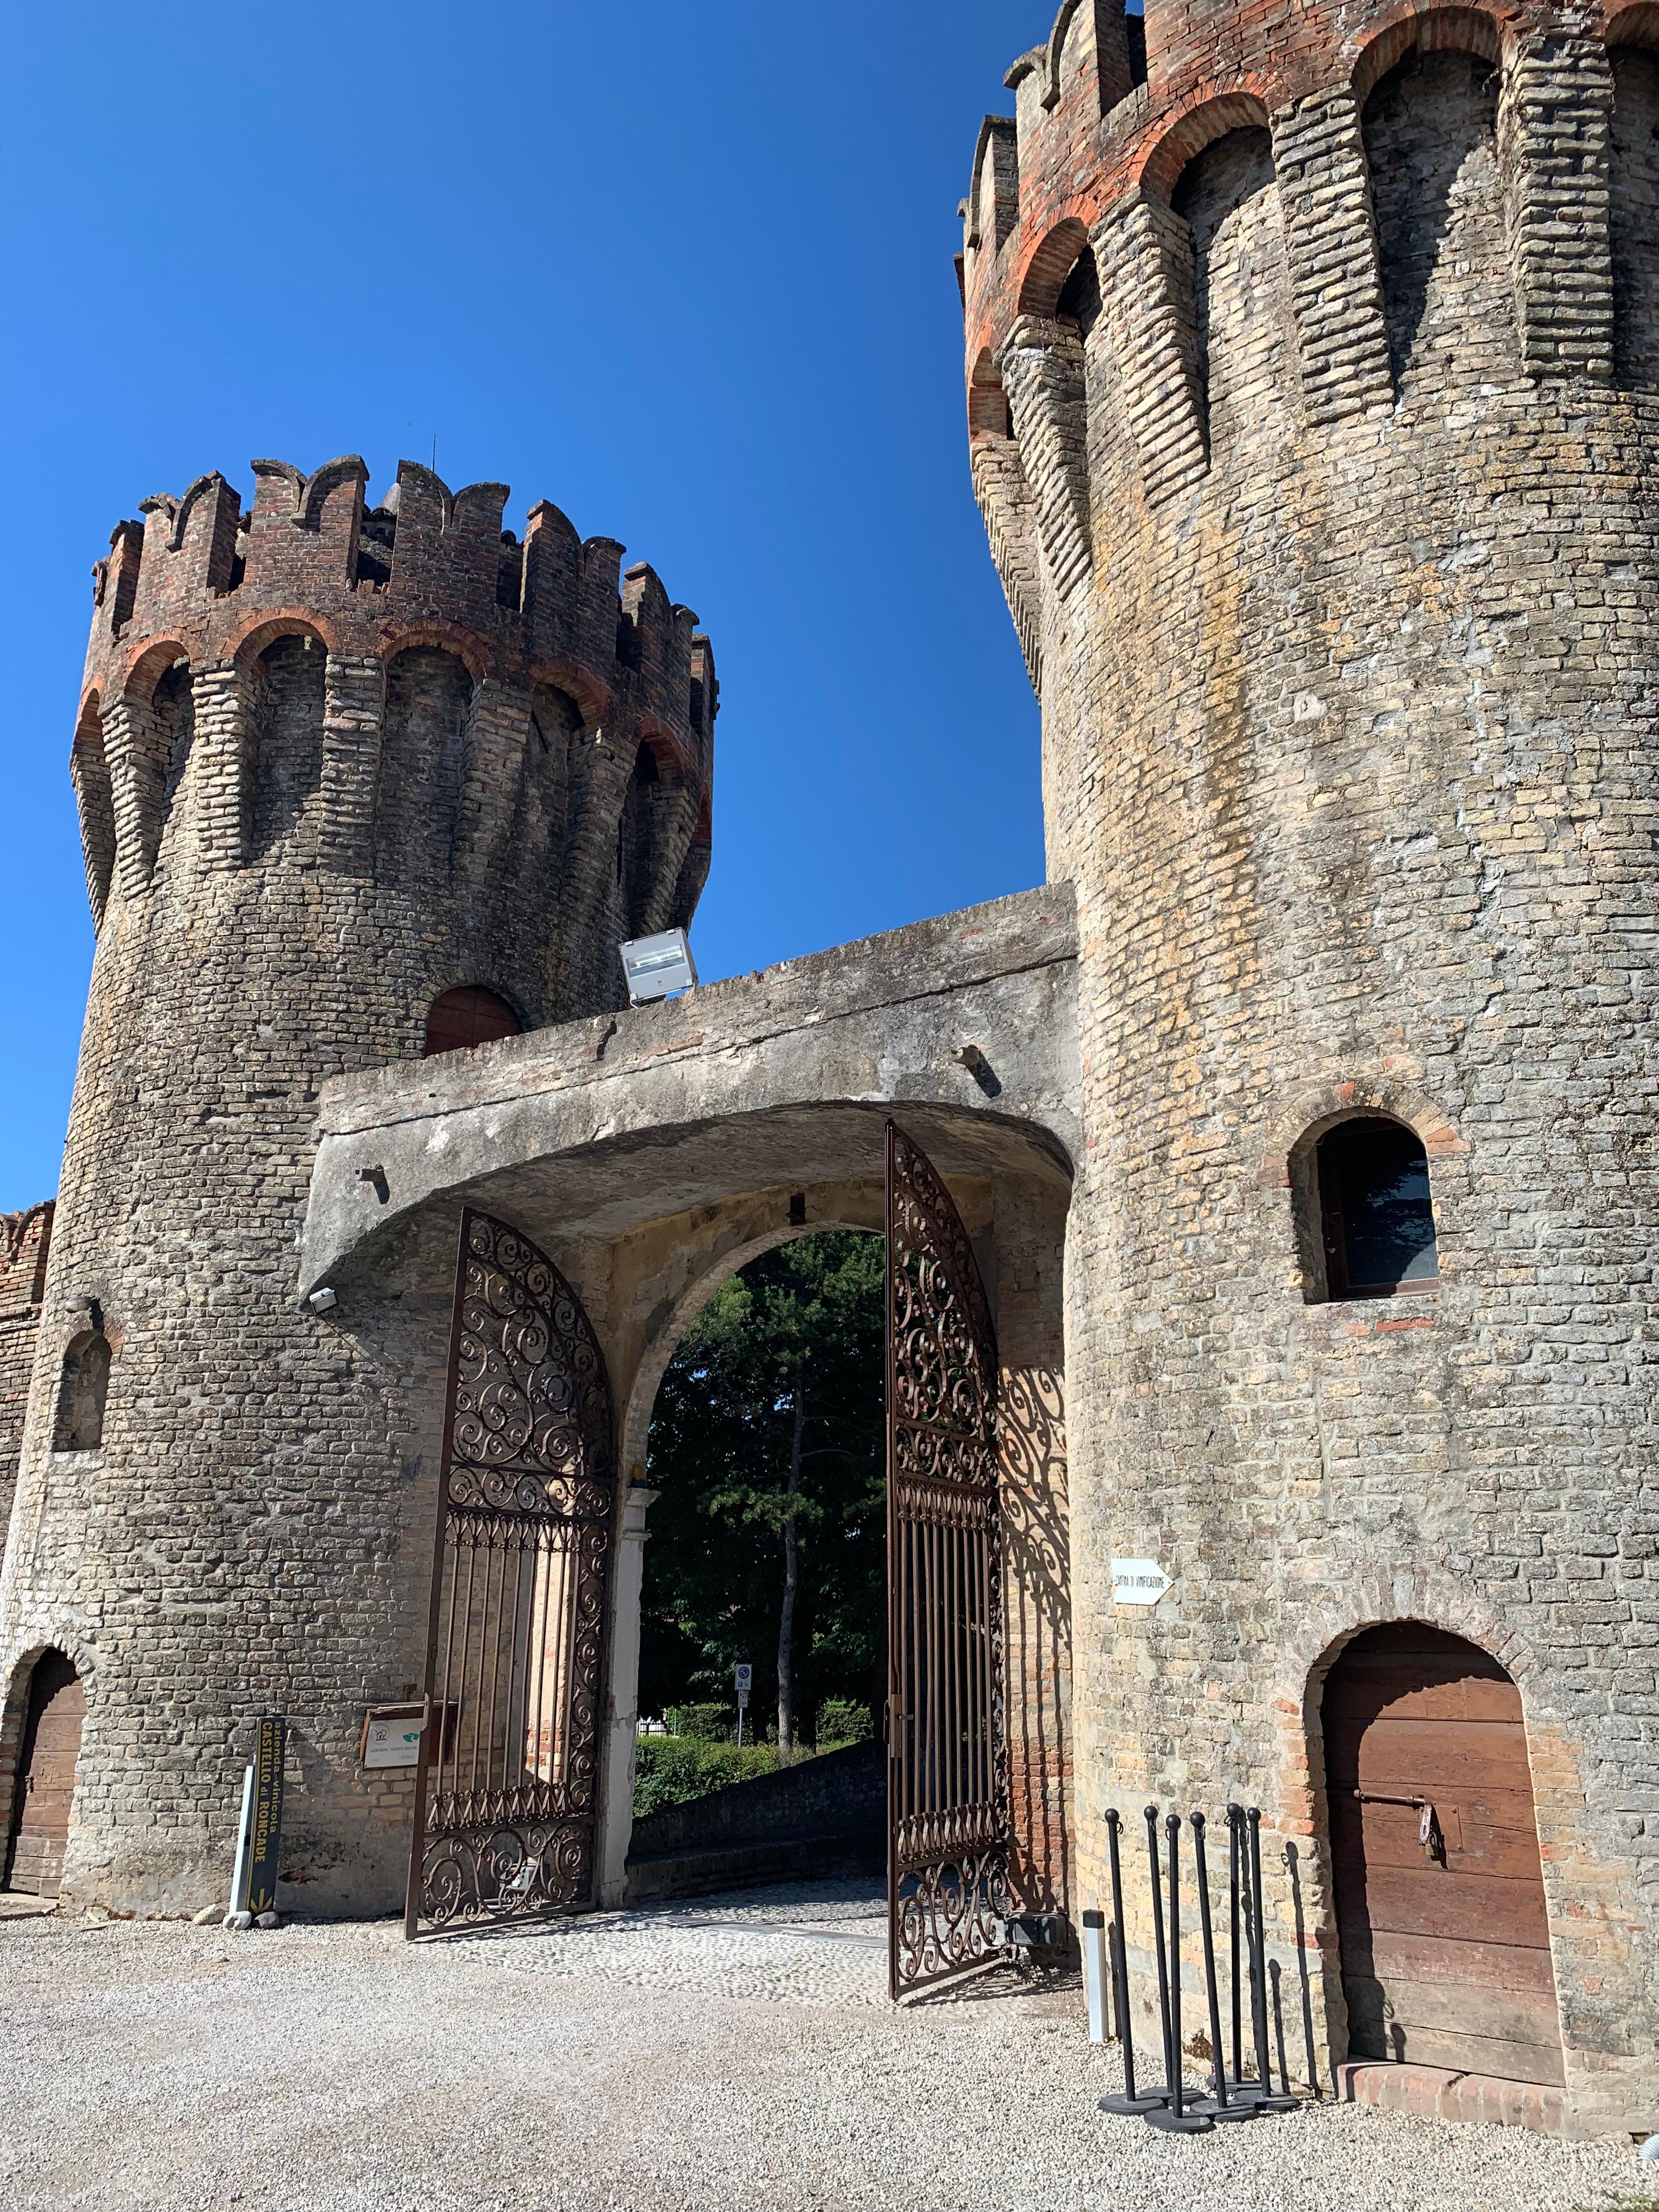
768 1423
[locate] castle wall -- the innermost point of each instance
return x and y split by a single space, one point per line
1331 534
653 1154
25 1240
330 765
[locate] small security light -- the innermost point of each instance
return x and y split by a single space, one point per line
658 966
322 1300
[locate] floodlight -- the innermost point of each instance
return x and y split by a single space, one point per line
657 966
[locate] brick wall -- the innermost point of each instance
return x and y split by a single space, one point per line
330 765
25 1240
1348 713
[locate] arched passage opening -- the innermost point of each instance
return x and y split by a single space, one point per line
766 1461
54 1709
1438 1884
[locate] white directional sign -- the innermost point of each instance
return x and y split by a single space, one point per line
1138 1582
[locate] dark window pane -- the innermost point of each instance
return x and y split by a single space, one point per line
1374 1187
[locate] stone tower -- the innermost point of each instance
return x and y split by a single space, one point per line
332 765
1313 386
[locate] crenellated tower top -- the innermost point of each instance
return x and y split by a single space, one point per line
203 585
1106 197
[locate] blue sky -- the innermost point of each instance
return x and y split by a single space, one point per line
686 271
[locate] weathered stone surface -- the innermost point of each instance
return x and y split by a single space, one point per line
1349 750
330 765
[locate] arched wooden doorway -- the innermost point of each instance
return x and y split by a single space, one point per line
1439 1893
46 1777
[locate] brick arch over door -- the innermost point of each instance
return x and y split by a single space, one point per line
1439 1882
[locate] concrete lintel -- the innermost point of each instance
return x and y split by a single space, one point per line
785 1077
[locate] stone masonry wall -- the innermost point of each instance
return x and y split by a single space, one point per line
1348 702
330 765
25 1240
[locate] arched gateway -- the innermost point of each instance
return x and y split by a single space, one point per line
512 1785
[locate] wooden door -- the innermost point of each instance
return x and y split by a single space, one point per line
45 1779
1439 1893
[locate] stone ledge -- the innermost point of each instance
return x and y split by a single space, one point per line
1437 2093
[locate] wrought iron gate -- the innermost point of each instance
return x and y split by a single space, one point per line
947 1791
507 1788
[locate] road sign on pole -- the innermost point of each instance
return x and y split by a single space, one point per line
745 1675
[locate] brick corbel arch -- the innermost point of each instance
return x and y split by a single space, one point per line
1427 30
666 748
595 699
1052 262
145 666
1209 114
447 637
252 638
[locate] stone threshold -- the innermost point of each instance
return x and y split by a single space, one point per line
1439 2092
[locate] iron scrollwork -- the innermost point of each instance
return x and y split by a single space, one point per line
507 1788
948 1890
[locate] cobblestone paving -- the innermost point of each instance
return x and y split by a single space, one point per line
731 2055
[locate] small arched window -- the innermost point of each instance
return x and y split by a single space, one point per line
467 1015
82 1388
1375 1209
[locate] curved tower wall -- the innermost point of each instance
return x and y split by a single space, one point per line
1313 384
330 764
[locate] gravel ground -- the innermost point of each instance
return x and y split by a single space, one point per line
732 2055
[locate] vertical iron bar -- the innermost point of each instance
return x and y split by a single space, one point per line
1157 1941
424 1764
1176 2118
1220 2108
1172 1830
1269 2099
1258 1954
1133 2099
898 1579
1235 1814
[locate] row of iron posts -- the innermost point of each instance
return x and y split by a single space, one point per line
1233 2095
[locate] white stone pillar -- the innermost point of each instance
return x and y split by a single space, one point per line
621 1705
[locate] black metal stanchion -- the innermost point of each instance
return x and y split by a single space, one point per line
1235 1816
1131 2099
1264 2099
1158 1946
1174 2119
1215 2105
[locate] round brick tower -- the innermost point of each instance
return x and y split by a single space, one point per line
332 766
1313 384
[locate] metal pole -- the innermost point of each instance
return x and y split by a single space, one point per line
1094 1973
1133 2099
1235 1814
244 1844
1158 1938
1266 2100
1217 2106
1175 2118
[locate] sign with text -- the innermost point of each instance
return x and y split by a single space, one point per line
1138 1582
745 1675
267 1844
391 1735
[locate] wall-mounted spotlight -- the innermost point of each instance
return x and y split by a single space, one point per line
322 1301
657 967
